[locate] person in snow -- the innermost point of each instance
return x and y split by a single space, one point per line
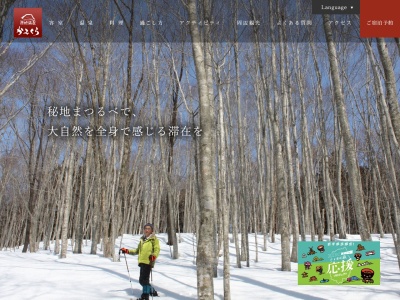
147 250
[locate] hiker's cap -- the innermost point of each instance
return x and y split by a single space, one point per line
150 225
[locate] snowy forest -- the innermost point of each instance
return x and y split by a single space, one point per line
264 136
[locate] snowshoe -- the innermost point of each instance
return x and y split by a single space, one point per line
154 293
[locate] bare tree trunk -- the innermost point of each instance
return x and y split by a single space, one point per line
351 158
58 224
232 194
376 204
307 173
386 128
171 226
84 192
205 246
67 203
286 121
126 141
223 190
272 183
289 118
95 222
4 8
298 180
387 132
281 185
197 179
261 152
390 83
244 207
325 160
34 172
287 144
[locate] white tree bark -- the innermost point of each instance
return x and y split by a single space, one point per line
223 188
390 83
350 153
67 204
205 246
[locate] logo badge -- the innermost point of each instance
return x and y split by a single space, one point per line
27 22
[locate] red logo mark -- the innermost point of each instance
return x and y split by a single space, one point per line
27 22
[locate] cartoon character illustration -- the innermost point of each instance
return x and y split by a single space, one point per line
321 248
311 252
316 258
307 265
358 256
313 278
304 274
364 264
360 247
304 255
367 275
324 280
353 278
371 252
319 269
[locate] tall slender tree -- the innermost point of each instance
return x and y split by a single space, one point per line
206 241
349 147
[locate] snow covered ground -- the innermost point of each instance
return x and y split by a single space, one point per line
43 275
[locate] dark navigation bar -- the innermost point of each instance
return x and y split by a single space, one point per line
168 21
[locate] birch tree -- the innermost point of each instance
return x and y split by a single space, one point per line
5 5
390 84
350 151
223 188
205 244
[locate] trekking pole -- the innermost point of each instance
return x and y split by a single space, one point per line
120 244
151 278
129 274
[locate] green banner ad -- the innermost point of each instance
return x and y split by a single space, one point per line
339 262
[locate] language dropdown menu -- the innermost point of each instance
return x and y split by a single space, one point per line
343 7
